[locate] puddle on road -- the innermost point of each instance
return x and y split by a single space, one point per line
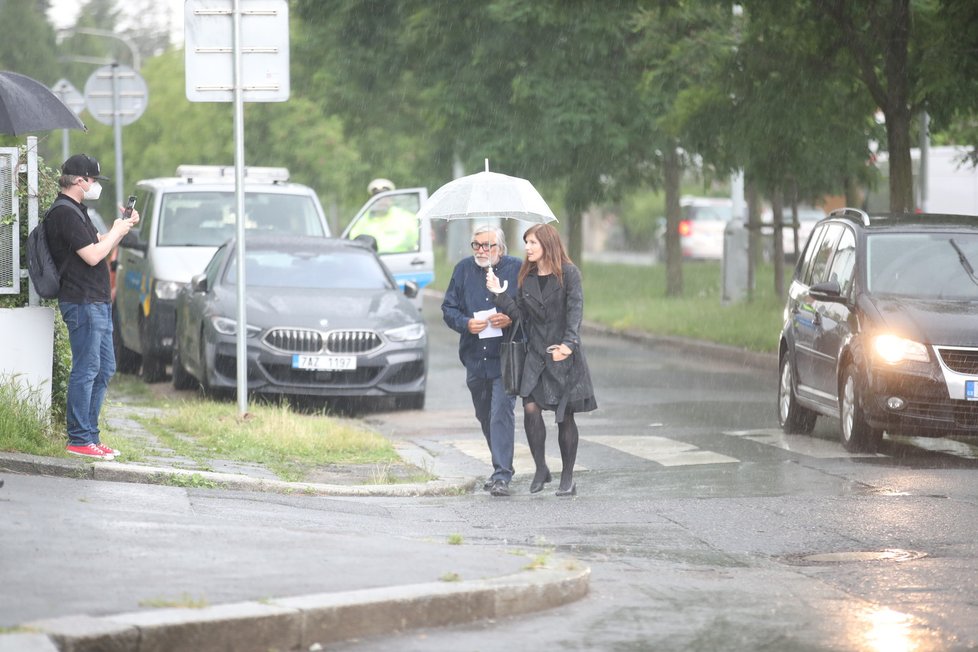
850 556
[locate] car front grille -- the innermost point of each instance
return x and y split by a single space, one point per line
963 361
295 340
348 342
962 414
299 340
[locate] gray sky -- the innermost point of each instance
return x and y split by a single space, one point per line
64 12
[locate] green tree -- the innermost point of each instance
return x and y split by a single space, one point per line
562 115
682 47
174 131
909 55
28 45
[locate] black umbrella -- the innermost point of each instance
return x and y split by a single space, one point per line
27 105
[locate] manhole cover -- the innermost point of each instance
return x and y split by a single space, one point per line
889 554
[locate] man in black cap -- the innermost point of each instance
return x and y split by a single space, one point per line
85 300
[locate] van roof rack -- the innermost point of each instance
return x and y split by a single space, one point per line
851 212
226 173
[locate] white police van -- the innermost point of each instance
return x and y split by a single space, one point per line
183 220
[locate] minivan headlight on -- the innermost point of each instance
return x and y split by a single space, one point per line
167 290
894 350
226 326
407 333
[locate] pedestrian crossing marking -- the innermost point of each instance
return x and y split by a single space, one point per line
522 460
801 444
661 450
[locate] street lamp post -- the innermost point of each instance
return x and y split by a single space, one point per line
128 42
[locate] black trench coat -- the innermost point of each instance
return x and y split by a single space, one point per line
553 318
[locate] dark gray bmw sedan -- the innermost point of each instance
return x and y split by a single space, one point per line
325 319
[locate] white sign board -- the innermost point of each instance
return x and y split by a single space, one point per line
264 50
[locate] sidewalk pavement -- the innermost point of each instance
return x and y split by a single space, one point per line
508 586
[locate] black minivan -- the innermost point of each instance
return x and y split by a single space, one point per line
881 328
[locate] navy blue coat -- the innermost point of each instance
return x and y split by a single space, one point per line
466 294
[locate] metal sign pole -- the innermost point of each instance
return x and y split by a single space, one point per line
117 129
242 347
33 298
260 29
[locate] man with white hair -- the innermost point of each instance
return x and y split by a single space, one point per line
466 296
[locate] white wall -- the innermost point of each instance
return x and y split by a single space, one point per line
27 350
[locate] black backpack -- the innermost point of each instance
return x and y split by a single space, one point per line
44 273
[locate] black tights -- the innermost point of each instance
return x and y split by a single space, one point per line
536 438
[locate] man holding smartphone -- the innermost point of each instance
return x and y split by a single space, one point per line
85 302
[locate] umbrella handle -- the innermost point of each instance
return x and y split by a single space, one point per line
504 286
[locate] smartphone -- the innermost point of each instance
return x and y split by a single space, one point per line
130 204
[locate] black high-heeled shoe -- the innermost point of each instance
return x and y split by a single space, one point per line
537 485
567 492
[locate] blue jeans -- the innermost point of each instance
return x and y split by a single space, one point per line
494 409
92 364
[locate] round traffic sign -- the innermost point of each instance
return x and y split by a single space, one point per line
116 90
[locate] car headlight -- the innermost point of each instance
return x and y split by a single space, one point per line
894 350
226 326
167 290
407 333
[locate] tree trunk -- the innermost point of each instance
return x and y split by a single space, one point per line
853 198
672 174
578 200
777 219
901 168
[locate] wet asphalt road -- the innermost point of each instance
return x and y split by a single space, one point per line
705 527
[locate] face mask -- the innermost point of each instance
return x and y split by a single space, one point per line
94 191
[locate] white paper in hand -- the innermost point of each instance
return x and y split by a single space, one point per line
490 331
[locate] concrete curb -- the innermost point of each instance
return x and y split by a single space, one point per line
137 473
754 359
310 621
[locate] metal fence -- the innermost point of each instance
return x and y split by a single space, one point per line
9 222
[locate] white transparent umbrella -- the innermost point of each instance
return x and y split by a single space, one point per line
486 195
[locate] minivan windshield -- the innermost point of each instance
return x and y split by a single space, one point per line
922 265
206 219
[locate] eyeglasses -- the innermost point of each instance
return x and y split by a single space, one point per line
485 246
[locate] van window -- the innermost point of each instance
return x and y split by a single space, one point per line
804 267
824 252
146 218
844 262
393 222
206 219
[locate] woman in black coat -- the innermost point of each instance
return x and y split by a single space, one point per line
550 304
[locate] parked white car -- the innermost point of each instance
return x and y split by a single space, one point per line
701 227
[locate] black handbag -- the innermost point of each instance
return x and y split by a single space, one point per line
511 358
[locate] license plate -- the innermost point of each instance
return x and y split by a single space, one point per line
971 390
324 362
